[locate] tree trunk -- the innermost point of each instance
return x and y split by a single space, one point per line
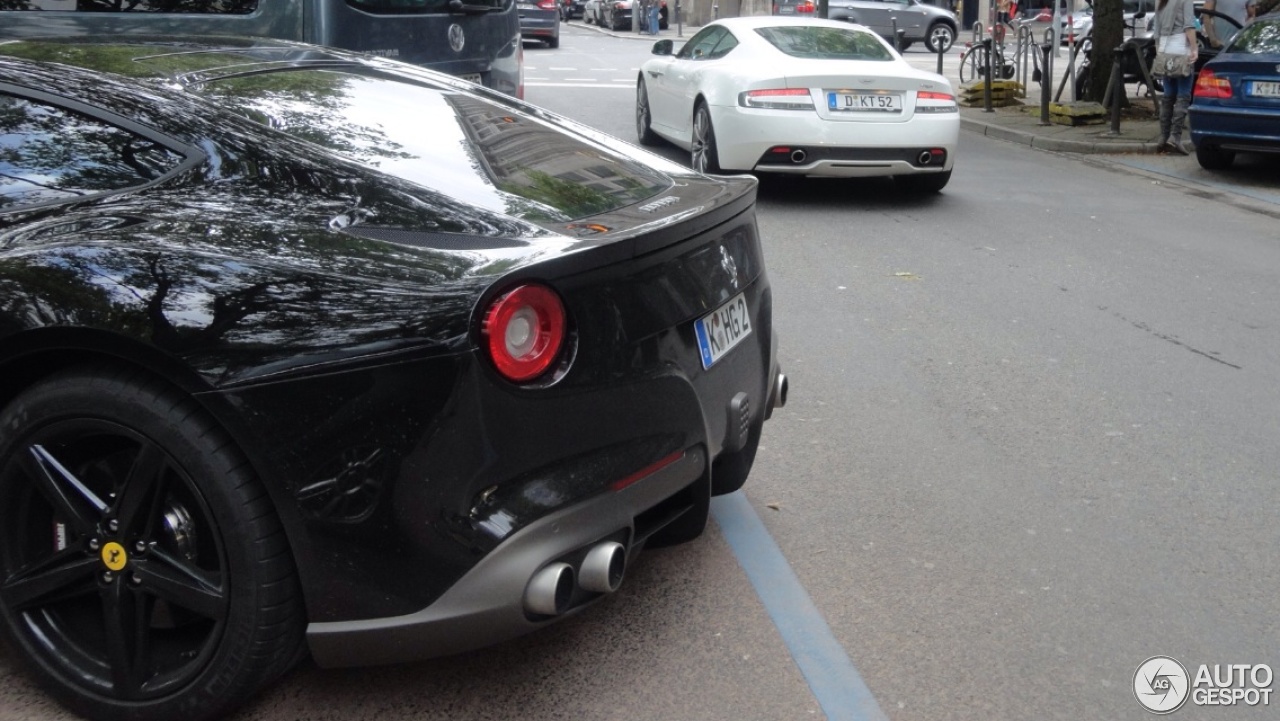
1108 33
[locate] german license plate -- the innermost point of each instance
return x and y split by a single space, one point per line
1264 88
722 330
843 101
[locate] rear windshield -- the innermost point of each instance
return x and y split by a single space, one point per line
414 7
1260 38
462 145
823 43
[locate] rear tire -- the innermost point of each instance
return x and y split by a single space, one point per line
1212 157
923 184
553 42
702 151
145 573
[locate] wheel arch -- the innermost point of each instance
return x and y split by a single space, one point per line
30 356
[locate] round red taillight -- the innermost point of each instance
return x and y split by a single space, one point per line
524 330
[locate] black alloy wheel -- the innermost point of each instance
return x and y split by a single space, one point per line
644 117
702 149
143 572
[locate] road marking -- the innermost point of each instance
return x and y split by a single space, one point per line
835 682
528 84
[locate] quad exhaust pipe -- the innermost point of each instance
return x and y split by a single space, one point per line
603 568
550 592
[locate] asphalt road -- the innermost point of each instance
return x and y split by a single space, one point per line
1031 442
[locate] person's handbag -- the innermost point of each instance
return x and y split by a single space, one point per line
1171 65
1172 60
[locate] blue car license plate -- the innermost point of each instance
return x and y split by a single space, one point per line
722 330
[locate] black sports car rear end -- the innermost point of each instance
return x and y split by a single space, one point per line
293 339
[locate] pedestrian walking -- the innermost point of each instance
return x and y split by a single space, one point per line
1176 53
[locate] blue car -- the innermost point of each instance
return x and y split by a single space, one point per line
1236 104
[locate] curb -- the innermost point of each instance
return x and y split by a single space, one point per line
1059 145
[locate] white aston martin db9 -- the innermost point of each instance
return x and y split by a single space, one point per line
800 96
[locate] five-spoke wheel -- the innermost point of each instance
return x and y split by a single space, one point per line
142 570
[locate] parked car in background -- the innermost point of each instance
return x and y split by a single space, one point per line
302 346
805 8
616 14
540 20
1235 106
570 9
934 26
799 97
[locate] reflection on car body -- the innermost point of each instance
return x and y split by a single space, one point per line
301 346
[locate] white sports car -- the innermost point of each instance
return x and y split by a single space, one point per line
800 96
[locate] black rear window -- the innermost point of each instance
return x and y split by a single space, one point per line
202 7
462 145
414 7
822 43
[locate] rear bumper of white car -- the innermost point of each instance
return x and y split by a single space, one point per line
749 139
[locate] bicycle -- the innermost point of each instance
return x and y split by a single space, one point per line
1005 65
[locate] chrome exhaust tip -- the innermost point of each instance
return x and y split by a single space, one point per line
925 158
798 155
603 567
550 590
780 390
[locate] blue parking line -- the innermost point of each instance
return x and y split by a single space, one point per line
840 691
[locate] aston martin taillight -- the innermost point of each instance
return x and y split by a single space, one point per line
524 330
777 99
928 101
1209 85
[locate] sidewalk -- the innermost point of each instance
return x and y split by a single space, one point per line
1022 125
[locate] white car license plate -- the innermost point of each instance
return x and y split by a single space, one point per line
722 330
843 101
1264 88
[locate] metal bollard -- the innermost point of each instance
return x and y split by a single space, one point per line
715 11
897 39
1115 91
679 21
986 79
941 52
1046 82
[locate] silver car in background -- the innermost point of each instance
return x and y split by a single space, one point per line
920 22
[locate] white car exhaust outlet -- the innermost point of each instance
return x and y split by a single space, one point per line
550 590
603 568
925 158
798 156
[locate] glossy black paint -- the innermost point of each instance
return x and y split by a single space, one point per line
327 312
